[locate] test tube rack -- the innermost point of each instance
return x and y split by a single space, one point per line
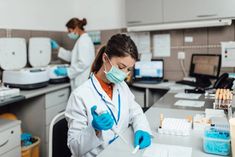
174 126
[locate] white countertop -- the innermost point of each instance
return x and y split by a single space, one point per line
36 92
165 106
171 86
195 140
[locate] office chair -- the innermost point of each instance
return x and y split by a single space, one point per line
58 137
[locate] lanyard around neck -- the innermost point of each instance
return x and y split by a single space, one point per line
106 103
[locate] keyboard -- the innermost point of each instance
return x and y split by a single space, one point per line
148 81
184 82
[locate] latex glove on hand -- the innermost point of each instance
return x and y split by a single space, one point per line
61 72
54 44
142 138
101 122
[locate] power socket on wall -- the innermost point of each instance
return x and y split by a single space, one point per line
181 55
188 39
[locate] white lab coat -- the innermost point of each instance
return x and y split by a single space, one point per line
81 59
82 139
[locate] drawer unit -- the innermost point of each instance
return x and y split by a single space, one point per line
10 135
39 112
16 152
53 111
55 98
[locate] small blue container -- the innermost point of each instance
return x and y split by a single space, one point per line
217 141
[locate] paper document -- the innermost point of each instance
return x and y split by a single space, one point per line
142 41
189 103
228 54
161 45
163 150
188 95
179 87
145 56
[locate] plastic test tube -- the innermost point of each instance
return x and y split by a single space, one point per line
216 98
228 98
220 99
161 120
136 149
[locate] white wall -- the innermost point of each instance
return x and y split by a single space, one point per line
101 14
35 14
53 14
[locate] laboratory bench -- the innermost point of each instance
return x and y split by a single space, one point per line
36 92
163 95
26 94
37 109
11 100
164 105
147 94
168 100
195 140
39 106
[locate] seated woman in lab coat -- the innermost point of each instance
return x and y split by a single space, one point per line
105 103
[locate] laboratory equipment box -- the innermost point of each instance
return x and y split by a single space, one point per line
216 140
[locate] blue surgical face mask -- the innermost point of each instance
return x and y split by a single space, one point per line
115 75
73 36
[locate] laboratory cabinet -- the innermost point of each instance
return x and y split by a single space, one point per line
13 153
36 114
148 12
142 12
190 10
10 138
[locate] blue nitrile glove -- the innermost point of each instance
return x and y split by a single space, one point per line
54 44
101 122
61 71
142 138
25 136
26 139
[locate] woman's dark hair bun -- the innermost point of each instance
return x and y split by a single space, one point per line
84 21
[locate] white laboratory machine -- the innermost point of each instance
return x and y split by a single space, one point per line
54 79
41 48
13 55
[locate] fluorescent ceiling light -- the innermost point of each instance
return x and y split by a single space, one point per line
193 24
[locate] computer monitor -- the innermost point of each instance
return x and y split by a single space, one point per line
149 70
205 67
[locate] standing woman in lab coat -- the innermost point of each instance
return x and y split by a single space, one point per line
105 103
80 57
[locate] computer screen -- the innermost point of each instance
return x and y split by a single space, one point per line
205 65
149 69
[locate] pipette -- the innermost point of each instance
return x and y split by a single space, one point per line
120 135
113 129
